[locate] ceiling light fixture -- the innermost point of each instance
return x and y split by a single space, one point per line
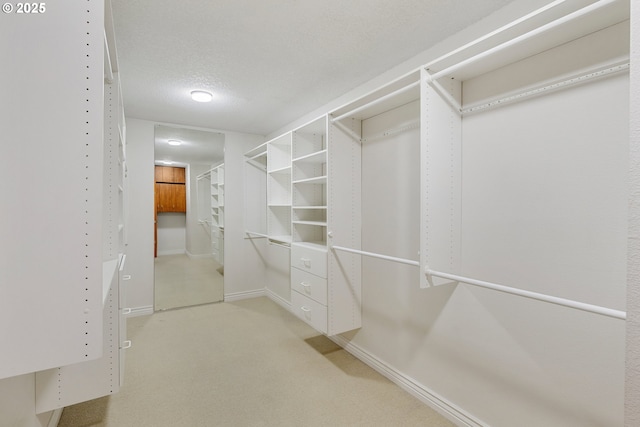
201 96
174 142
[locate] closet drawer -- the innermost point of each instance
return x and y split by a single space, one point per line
309 285
309 259
312 312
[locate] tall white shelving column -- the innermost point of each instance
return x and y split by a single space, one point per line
51 303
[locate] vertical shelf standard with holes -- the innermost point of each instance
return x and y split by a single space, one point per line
279 189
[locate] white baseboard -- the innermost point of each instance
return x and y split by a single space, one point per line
172 252
55 418
447 409
141 311
278 299
236 296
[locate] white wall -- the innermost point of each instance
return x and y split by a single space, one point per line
172 233
244 269
632 399
278 272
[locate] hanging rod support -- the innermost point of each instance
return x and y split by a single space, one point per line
443 93
374 255
616 314
348 131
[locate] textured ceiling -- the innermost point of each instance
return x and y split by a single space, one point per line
268 62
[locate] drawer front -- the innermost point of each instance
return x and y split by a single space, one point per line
309 285
312 312
311 260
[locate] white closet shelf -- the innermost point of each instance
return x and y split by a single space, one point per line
283 170
279 205
318 223
314 180
317 157
309 207
259 151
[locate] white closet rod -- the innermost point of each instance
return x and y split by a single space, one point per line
284 245
495 32
258 235
560 21
376 101
260 154
413 125
616 314
374 255
108 71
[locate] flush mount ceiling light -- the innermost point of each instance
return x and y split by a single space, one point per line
201 96
174 142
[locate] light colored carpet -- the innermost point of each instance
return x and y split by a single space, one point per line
181 281
246 363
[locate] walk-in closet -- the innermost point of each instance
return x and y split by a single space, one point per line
464 220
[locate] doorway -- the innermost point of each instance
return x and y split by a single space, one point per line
189 267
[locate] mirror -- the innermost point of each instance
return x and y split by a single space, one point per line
189 217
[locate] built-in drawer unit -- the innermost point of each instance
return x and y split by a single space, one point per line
312 312
310 259
309 285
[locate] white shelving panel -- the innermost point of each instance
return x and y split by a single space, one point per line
52 231
71 383
279 189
